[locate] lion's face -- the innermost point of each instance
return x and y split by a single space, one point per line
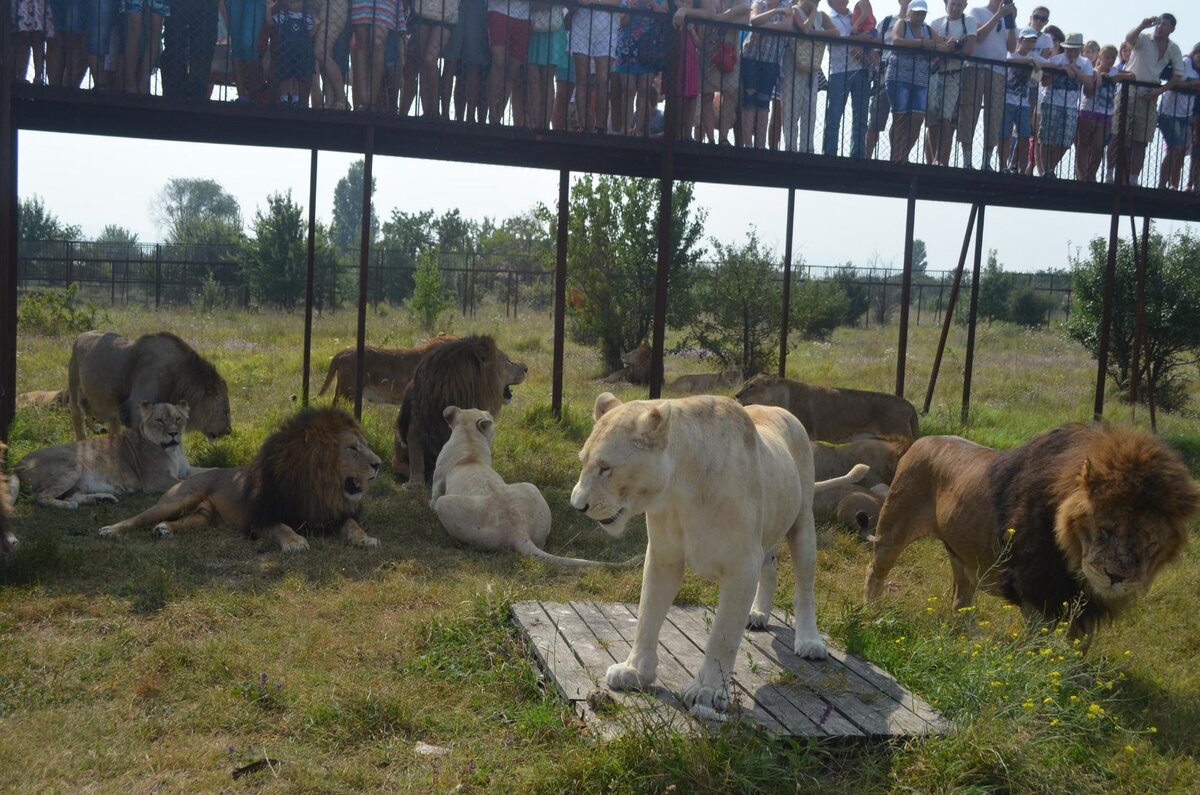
1121 550
164 423
357 465
511 374
625 462
759 390
211 416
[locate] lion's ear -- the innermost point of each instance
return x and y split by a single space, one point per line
1086 478
183 406
485 423
146 407
605 402
652 426
449 413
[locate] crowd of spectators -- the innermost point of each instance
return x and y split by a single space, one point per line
1015 98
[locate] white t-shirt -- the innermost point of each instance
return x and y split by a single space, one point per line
517 9
1145 63
839 54
1180 104
1104 99
959 28
1064 91
993 46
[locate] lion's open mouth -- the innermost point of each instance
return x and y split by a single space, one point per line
170 444
508 393
353 486
610 519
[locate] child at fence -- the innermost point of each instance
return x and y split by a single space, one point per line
1018 111
1095 115
291 29
32 24
1063 81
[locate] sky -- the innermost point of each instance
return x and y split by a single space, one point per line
94 181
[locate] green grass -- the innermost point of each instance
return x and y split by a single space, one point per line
147 665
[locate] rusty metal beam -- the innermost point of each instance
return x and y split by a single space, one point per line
560 292
8 233
906 288
308 275
973 317
948 317
666 188
787 283
1110 275
364 257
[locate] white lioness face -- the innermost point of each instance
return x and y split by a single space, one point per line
625 463
164 423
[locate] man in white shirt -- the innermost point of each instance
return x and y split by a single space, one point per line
945 84
983 84
1151 55
847 79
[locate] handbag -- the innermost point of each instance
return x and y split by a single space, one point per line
725 57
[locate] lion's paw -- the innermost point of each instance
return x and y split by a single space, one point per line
162 531
109 498
300 544
623 676
758 620
11 541
810 648
698 695
367 542
108 532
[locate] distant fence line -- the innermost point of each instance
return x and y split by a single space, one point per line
158 274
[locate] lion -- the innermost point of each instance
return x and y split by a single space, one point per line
8 541
860 509
721 486
830 414
109 376
476 506
1070 526
636 367
880 454
703 383
471 372
309 476
147 457
46 398
386 371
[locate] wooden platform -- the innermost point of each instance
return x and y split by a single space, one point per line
844 696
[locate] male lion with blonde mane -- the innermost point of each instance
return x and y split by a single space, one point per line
308 477
721 486
471 373
1070 526
386 371
831 414
147 457
109 376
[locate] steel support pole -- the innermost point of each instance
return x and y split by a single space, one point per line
1110 273
906 287
308 275
969 365
560 292
787 283
8 232
1140 254
364 257
948 317
666 188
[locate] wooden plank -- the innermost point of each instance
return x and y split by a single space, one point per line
886 683
554 655
673 676
801 711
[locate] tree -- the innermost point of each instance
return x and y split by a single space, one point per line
857 292
429 298
816 308
36 224
920 257
742 301
995 289
274 261
197 211
612 253
1172 306
112 233
404 237
347 208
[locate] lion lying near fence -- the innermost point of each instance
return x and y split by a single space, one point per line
8 541
1070 526
635 369
386 371
882 455
109 376
308 477
704 383
830 414
147 457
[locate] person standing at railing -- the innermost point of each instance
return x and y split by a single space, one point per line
509 31
1064 79
983 84
881 107
66 53
143 37
1018 110
189 40
464 59
593 43
1153 58
641 54
1175 111
1095 115
762 55
245 20
688 84
945 83
798 77
848 79
907 77
1194 170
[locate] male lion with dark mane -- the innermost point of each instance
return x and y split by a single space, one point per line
471 373
832 414
386 371
308 477
1070 526
109 376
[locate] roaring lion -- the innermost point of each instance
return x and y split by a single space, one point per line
1069 526
474 503
830 414
386 371
109 376
147 457
471 372
636 367
308 477
721 486
7 540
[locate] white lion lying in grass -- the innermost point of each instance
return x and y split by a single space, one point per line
477 507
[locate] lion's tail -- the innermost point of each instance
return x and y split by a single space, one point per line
329 375
527 547
853 476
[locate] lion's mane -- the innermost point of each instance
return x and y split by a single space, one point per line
1046 492
294 479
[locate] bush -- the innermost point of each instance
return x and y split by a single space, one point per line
53 312
1030 308
429 299
817 308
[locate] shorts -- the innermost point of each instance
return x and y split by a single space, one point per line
1145 114
944 90
1019 116
593 33
1176 130
469 39
507 33
379 13
550 49
160 7
1057 125
393 46
758 83
907 98
70 16
435 11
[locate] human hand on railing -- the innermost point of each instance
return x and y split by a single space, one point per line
680 17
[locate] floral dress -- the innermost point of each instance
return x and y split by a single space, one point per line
642 40
32 16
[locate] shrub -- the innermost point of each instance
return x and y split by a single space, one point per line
429 299
1029 307
53 312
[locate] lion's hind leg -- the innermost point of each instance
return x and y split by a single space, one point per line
764 598
467 520
802 543
900 523
174 504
